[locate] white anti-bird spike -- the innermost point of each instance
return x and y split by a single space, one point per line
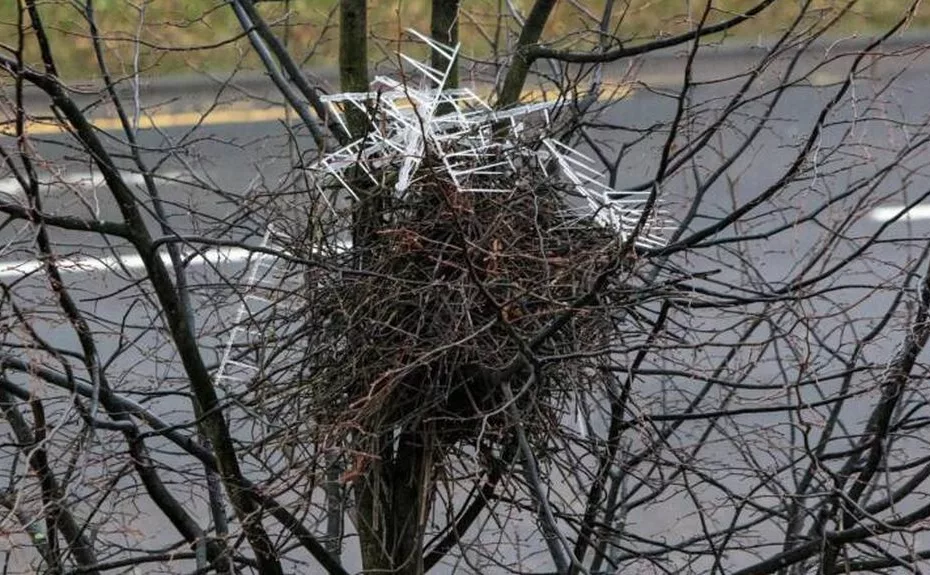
255 274
622 213
405 126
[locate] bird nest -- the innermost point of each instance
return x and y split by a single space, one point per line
443 299
467 234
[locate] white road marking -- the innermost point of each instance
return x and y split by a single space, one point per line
84 180
888 213
129 262
133 262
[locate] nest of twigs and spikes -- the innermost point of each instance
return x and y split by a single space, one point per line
449 288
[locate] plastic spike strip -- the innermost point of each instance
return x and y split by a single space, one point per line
261 271
621 210
404 127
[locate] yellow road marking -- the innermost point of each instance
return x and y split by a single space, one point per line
172 120
821 79
243 115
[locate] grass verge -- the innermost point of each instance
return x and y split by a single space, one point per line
203 35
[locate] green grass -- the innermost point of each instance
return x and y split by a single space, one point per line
202 35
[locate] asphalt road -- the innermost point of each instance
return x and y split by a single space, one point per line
233 160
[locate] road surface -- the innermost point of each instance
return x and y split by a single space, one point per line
203 173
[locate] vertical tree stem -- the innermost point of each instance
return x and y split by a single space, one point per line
520 62
353 57
444 28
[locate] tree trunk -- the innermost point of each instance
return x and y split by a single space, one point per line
520 62
444 28
353 57
393 500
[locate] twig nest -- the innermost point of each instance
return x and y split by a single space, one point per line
451 288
